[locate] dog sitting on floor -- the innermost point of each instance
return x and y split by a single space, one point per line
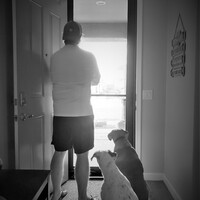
129 163
116 186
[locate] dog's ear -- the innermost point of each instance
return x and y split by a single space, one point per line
112 154
126 134
110 135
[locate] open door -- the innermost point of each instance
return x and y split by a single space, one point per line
109 32
37 33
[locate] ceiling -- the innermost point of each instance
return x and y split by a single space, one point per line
114 11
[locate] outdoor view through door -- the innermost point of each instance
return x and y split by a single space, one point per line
109 97
109 32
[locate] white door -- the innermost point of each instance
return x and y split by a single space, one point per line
38 26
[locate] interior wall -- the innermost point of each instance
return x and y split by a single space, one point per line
153 80
198 91
6 85
196 148
180 98
196 162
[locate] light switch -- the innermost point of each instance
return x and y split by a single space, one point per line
147 94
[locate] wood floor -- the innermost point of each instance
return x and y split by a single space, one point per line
157 190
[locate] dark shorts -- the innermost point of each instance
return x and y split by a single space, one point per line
73 132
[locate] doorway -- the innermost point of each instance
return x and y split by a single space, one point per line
111 37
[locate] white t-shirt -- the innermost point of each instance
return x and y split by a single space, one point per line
73 71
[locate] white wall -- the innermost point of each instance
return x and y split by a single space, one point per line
179 124
168 120
196 149
153 78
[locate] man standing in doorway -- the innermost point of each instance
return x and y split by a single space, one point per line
73 71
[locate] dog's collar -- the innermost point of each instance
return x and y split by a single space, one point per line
119 138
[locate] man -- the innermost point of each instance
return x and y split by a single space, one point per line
73 71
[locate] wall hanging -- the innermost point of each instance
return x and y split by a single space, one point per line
178 52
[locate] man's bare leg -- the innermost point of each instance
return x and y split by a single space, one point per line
82 175
57 168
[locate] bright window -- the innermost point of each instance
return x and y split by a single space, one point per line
109 97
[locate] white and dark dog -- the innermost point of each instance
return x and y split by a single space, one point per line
129 163
115 186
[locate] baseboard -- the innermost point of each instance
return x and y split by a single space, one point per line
171 189
162 177
153 176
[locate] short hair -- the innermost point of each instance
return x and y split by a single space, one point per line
72 33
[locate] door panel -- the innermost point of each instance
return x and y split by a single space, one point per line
55 24
29 67
39 26
38 143
36 65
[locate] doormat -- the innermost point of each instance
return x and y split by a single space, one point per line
94 188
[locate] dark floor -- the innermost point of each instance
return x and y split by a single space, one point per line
158 190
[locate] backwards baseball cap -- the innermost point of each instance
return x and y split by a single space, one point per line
72 31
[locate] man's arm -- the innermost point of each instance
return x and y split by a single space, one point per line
96 74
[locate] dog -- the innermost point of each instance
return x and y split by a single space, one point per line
115 186
129 163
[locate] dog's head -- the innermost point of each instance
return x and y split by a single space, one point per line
117 133
104 158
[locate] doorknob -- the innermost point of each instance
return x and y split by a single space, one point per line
24 116
31 116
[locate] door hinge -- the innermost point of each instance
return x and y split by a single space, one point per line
15 118
15 102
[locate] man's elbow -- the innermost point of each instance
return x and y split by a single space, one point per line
96 81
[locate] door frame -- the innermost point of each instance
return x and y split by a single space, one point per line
136 102
131 69
15 86
139 78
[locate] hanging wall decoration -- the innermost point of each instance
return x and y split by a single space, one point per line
178 50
